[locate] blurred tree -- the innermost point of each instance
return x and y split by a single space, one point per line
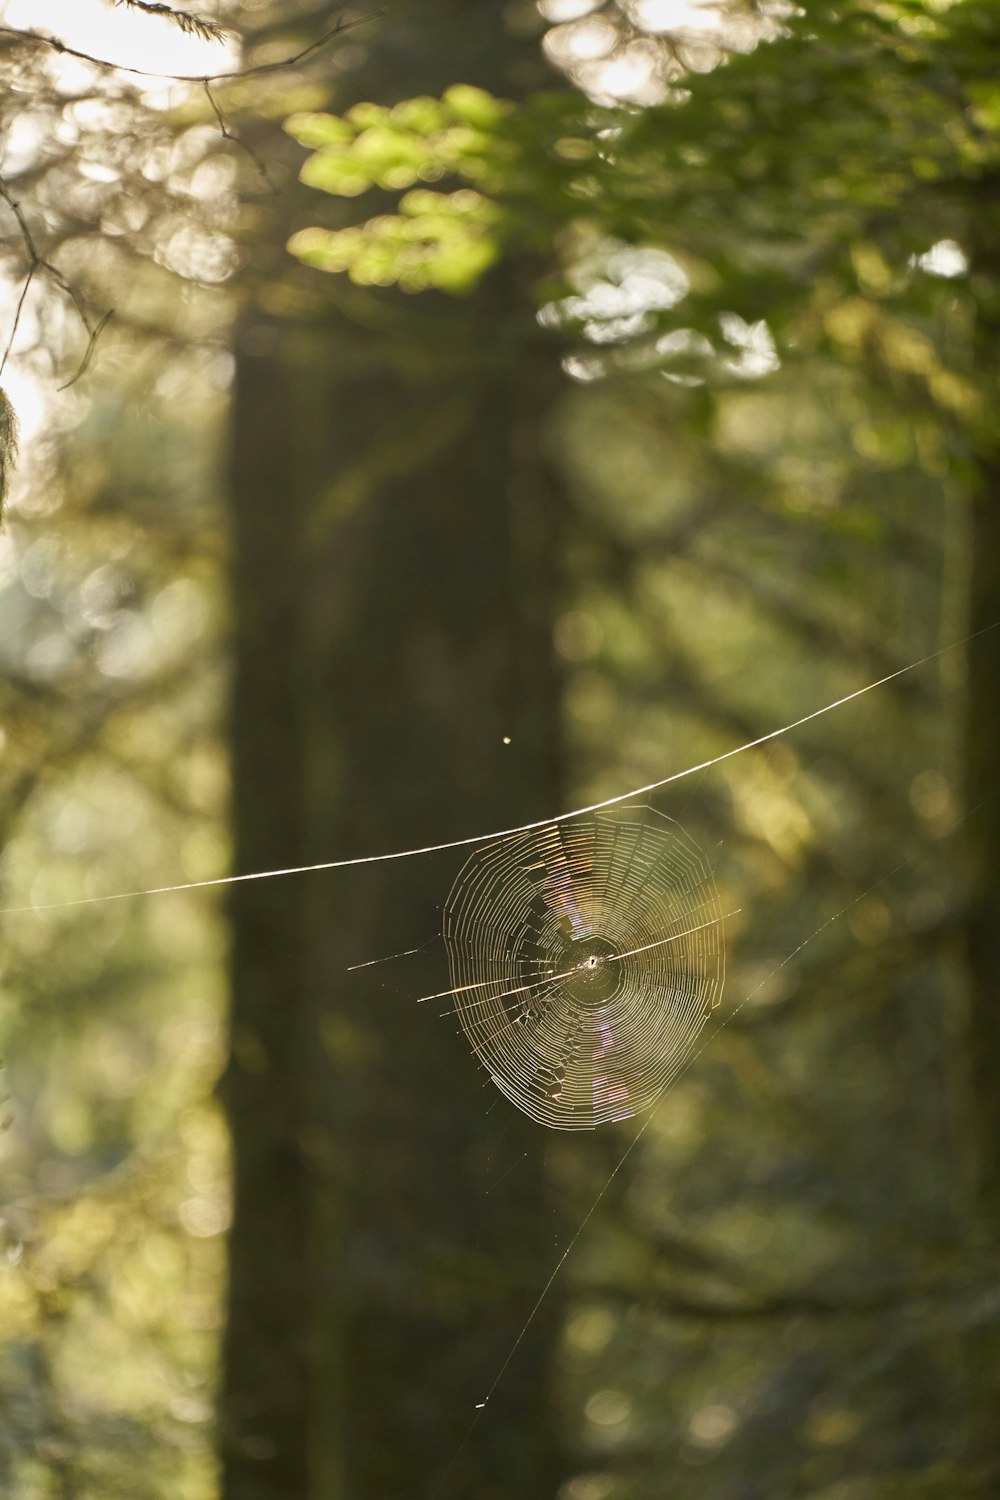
345 440
395 567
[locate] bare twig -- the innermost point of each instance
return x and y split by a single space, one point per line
37 264
258 70
237 140
22 223
88 353
206 80
17 315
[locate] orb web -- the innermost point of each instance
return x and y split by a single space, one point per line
584 961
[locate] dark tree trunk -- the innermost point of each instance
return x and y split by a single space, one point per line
267 1357
395 551
982 756
982 760
982 729
431 626
982 934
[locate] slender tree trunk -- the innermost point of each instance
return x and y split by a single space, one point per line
982 756
267 1355
395 568
982 730
982 760
982 934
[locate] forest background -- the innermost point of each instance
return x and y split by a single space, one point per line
615 385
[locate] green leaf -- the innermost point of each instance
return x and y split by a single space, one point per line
475 106
335 172
317 130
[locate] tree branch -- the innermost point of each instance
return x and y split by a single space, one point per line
236 140
194 25
38 263
186 20
257 70
798 1303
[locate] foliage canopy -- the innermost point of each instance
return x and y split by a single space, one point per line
791 203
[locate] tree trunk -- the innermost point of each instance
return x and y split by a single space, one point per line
267 1357
395 550
982 752
981 741
982 729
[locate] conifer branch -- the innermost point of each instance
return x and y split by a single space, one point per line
186 20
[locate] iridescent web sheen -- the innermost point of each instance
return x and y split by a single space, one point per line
585 958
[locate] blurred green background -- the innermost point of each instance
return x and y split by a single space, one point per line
628 391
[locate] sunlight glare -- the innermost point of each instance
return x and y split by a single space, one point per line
123 37
946 258
631 74
580 41
675 15
566 10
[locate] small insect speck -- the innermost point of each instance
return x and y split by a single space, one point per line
506 739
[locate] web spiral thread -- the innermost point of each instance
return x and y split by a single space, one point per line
585 959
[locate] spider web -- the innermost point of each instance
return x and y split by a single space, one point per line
690 1053
585 960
